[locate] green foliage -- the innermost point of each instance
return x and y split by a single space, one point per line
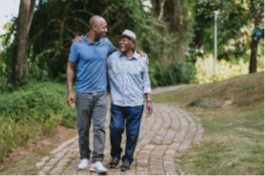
257 11
234 26
175 73
30 112
181 23
56 23
6 56
14 134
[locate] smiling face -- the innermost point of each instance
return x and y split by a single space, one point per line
126 45
100 28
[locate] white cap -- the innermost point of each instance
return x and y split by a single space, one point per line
129 34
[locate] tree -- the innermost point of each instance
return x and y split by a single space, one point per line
26 12
179 20
56 23
257 13
233 20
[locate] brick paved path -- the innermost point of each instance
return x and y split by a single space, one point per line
163 138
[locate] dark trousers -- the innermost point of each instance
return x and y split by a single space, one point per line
129 118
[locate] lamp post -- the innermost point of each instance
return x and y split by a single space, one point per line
216 13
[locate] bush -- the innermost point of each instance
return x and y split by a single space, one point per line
176 73
31 111
223 69
34 101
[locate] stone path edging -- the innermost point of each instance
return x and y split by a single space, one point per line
163 138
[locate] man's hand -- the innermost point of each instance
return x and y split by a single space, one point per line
71 100
149 108
77 39
144 56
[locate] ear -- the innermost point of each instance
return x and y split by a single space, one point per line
94 27
133 44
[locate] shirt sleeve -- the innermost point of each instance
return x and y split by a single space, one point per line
73 56
108 60
146 79
111 48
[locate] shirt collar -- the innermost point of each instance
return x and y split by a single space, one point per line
88 42
134 57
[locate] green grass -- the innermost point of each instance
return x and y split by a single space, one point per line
27 164
232 114
31 112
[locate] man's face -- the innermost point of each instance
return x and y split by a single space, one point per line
101 29
125 44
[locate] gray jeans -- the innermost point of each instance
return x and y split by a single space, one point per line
91 106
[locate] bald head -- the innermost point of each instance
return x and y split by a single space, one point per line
95 20
98 27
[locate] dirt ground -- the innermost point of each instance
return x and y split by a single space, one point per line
61 134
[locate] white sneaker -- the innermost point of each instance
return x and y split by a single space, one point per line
83 164
98 167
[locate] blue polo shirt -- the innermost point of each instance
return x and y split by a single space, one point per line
90 60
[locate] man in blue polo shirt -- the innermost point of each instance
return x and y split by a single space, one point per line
87 64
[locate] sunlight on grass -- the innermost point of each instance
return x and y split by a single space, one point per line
232 144
232 114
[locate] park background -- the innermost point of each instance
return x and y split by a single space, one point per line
200 43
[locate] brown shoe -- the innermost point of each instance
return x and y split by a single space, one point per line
125 167
114 163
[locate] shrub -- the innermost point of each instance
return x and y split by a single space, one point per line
175 73
31 111
208 71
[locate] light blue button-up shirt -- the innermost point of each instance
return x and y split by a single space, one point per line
129 79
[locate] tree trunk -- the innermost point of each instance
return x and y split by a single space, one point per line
161 13
174 14
253 56
26 11
257 13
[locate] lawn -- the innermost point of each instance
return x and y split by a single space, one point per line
232 114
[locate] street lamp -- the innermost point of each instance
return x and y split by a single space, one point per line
216 13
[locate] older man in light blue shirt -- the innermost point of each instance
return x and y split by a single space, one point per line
130 85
